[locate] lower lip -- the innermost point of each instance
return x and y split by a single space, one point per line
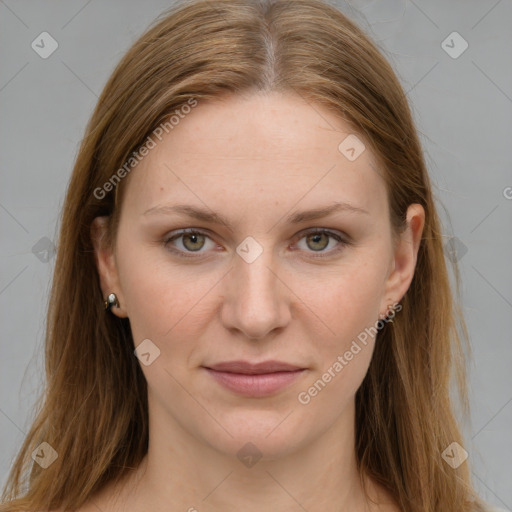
264 384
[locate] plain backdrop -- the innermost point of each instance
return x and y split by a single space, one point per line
462 103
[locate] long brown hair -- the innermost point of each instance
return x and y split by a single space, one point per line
94 410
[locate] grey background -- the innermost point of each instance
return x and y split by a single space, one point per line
463 110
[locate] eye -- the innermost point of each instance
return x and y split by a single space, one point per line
318 239
193 240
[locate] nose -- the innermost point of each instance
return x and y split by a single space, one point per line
256 300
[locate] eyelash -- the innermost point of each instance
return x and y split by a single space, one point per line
191 231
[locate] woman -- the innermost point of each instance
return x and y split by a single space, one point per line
251 308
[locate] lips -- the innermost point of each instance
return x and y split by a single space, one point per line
254 379
248 368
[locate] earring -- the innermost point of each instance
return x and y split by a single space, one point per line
384 315
111 301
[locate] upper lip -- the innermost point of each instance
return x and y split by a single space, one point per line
254 368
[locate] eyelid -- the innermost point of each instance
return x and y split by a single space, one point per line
334 232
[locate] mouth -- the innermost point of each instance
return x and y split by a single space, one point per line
254 380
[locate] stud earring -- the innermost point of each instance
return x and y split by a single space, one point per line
111 301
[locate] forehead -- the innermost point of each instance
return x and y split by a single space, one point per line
261 150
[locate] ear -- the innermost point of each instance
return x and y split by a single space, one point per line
104 255
405 257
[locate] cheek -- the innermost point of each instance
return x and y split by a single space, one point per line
163 302
344 302
349 310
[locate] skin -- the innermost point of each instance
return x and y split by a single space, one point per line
255 159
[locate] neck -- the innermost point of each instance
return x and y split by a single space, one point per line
180 473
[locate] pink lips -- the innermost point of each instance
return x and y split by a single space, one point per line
254 380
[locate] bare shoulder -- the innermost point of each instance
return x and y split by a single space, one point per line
89 506
114 497
99 502
383 500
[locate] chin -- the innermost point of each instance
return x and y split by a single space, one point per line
269 435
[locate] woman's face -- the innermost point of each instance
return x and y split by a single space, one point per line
271 282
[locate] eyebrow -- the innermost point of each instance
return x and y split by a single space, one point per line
206 215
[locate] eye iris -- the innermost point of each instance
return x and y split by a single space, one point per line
316 237
193 236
